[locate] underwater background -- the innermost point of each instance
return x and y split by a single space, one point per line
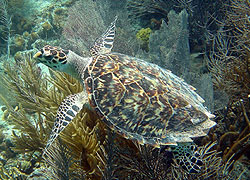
205 42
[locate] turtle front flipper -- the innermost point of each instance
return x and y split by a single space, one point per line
104 44
67 111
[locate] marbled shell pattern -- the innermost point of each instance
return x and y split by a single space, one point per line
144 102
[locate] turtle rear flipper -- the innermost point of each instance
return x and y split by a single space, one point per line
188 157
67 111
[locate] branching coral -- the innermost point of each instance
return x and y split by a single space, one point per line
229 63
59 160
27 116
238 19
5 20
134 161
38 102
8 174
230 58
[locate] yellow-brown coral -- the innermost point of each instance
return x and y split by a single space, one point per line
81 137
46 26
143 36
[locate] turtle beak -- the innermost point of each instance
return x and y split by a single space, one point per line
38 54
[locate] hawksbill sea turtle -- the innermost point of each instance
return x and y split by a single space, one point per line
135 98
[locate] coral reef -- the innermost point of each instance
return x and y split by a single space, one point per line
21 24
238 140
142 8
143 35
202 24
87 149
59 17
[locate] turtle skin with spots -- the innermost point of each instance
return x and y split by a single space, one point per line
144 102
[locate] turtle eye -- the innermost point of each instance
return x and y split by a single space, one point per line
53 52
49 57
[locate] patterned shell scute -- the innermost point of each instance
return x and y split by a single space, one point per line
140 100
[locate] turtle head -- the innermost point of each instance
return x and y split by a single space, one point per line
53 57
63 60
